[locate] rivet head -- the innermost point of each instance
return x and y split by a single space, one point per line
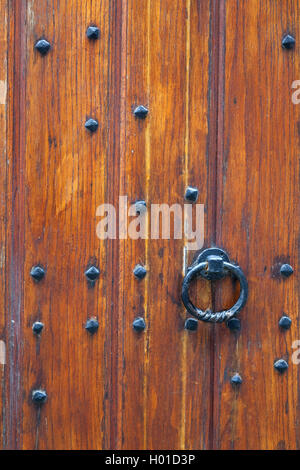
286 270
39 397
37 273
91 125
139 324
191 194
93 32
139 271
281 365
234 324
285 322
191 324
42 46
141 112
92 325
37 327
236 379
288 42
140 207
92 273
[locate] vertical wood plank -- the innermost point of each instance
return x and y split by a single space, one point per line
3 202
64 180
258 223
134 182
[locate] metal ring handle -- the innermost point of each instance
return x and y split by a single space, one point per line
215 267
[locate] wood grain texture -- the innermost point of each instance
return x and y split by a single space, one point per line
3 204
62 180
218 87
258 223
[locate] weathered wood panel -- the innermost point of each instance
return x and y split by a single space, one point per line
62 179
3 202
258 223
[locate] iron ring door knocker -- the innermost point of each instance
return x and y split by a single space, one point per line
213 264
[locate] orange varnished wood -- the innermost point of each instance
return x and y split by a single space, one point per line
258 223
3 201
218 87
63 180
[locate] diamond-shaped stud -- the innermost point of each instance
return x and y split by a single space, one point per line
139 271
288 42
39 397
191 194
42 46
91 125
191 324
93 32
37 273
140 207
236 379
285 322
234 324
37 327
141 111
92 273
281 365
286 270
92 325
139 324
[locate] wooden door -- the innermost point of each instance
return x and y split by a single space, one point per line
222 117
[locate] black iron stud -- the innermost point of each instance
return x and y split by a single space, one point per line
37 327
92 273
236 379
286 270
285 322
39 397
191 194
42 46
141 112
288 42
139 271
234 324
37 273
93 32
91 125
139 324
191 324
281 365
92 325
140 207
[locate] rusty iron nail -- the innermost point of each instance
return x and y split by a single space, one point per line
286 270
92 273
191 324
285 322
288 42
140 207
37 327
236 379
141 112
42 46
37 273
39 397
281 365
139 324
234 324
92 325
191 194
93 32
91 125
139 271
